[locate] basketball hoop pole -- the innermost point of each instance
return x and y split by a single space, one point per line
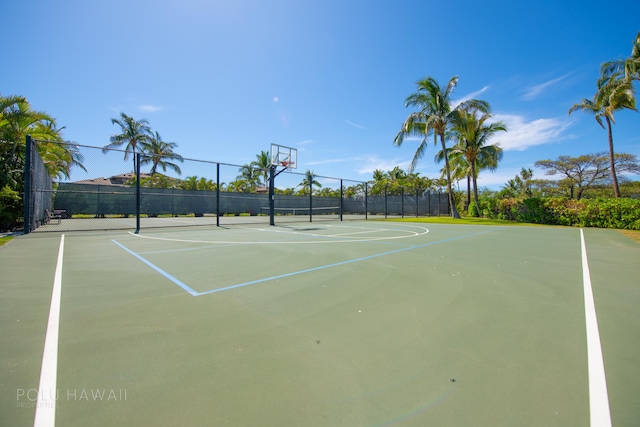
280 156
272 178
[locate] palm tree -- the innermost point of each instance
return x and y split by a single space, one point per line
309 181
434 117
379 183
613 94
249 177
629 67
157 150
17 120
473 134
263 164
135 134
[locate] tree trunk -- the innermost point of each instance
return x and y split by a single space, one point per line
452 203
614 177
466 206
475 189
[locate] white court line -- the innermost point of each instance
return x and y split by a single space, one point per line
47 392
598 396
343 238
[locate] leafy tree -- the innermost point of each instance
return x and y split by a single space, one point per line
135 135
628 67
613 94
472 133
263 165
379 183
434 117
520 185
308 182
193 183
158 152
587 171
17 120
250 176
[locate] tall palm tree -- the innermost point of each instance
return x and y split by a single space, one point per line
434 117
157 150
309 181
135 134
263 164
473 134
629 67
613 94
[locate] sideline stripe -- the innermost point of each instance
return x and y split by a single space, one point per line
47 392
159 270
598 396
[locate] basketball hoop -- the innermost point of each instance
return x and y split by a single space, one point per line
283 156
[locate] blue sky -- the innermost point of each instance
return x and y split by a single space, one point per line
225 79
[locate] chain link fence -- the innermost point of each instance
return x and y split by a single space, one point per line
108 193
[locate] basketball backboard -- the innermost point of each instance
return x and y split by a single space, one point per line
286 157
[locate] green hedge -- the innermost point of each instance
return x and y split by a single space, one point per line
603 213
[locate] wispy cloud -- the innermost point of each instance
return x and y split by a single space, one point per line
535 91
521 134
149 108
472 95
326 162
355 125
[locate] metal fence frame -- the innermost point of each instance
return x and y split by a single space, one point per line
146 202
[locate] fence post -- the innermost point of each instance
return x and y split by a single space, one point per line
28 195
310 199
217 194
366 201
341 198
385 202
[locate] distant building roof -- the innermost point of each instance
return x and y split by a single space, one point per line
116 180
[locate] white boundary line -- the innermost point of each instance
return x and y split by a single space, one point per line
47 391
598 396
343 237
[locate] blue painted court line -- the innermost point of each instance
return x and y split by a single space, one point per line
159 270
295 273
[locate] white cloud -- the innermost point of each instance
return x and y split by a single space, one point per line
521 134
355 125
370 163
534 91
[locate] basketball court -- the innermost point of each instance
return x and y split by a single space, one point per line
360 323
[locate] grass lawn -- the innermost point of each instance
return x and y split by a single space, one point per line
464 220
5 239
632 234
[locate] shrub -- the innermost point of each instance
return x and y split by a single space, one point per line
10 207
603 213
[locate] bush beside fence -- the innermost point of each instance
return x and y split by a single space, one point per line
602 213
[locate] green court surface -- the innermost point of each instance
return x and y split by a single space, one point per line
365 323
